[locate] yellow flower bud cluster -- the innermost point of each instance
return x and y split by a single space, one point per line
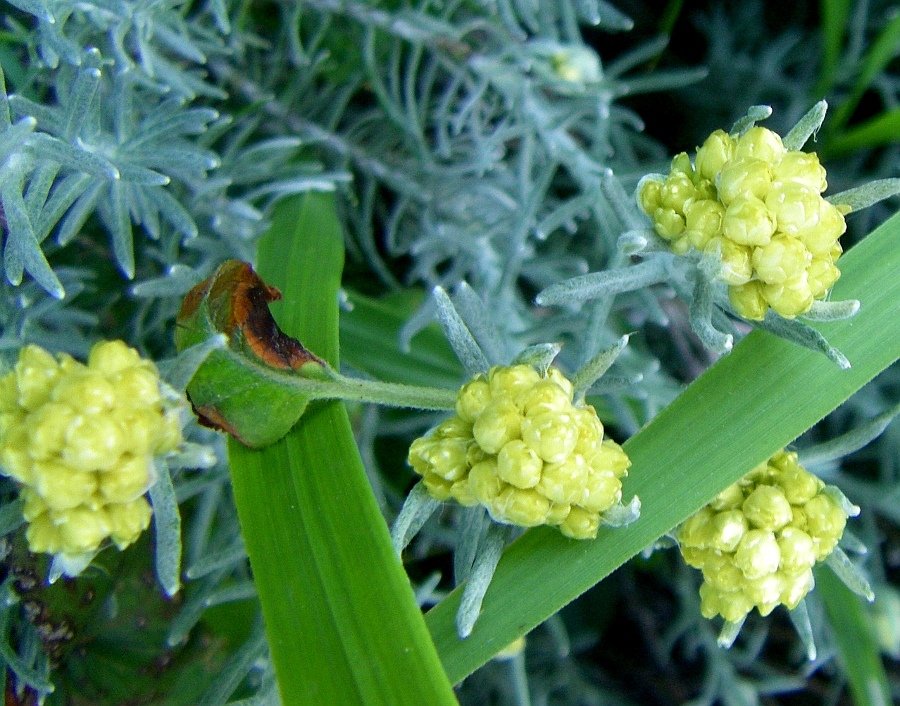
520 447
759 208
80 439
758 540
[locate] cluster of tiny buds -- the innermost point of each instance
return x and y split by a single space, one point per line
80 440
759 539
520 447
757 207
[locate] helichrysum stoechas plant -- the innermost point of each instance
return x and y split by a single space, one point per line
758 540
520 447
758 207
80 439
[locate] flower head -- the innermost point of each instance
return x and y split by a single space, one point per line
80 440
520 447
759 208
757 541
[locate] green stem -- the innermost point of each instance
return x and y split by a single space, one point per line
389 394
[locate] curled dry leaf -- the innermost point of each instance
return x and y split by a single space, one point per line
241 389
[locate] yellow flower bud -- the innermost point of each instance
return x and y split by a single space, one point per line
558 513
825 521
667 223
749 301
437 487
498 424
82 529
745 178
831 225
128 520
473 398
95 442
757 554
727 529
48 428
714 153
519 465
676 190
681 164
526 508
603 489
15 454
765 592
59 487
795 206
703 221
564 482
80 439
797 550
802 168
88 391
545 396
650 195
552 435
555 375
767 508
485 482
759 549
748 221
737 268
729 499
821 276
43 535
111 357
719 570
463 493
791 297
612 456
36 372
795 588
512 381
759 143
136 387
580 524
129 480
781 259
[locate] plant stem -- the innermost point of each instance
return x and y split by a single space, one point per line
339 387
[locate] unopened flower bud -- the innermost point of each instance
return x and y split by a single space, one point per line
81 440
714 153
524 450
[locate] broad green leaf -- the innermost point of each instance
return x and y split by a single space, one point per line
857 647
340 614
750 404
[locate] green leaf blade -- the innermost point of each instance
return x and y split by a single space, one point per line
857 646
339 611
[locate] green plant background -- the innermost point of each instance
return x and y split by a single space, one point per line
144 143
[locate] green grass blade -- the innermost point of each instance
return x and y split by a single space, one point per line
340 614
876 59
834 24
857 647
883 129
748 405
370 342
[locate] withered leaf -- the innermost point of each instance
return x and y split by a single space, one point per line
242 389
